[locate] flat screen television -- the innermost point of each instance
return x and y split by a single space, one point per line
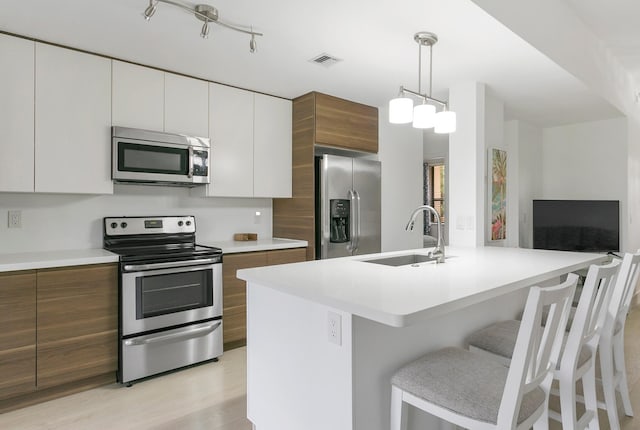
576 225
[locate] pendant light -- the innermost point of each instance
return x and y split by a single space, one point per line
423 115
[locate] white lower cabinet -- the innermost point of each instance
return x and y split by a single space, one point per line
72 122
16 114
251 144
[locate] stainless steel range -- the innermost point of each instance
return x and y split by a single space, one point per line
170 295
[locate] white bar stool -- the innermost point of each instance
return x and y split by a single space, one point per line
577 360
612 364
476 392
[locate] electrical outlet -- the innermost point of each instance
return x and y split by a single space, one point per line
15 219
334 327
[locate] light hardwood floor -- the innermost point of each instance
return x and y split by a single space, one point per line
212 397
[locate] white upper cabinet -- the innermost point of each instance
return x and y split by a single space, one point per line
138 97
231 133
16 114
272 147
251 144
154 100
72 122
186 105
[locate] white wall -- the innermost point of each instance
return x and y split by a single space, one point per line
587 161
570 43
467 166
528 140
400 152
60 221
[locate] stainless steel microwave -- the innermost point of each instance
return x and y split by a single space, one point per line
153 157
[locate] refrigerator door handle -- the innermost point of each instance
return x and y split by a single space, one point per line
352 222
357 223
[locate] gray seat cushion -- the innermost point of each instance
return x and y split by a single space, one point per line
500 339
467 383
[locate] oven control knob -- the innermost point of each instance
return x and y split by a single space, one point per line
123 224
179 223
114 225
188 222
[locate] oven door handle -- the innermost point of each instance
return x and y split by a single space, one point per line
173 337
169 265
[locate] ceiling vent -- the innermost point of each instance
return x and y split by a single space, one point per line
325 60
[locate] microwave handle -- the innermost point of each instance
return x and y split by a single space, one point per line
190 172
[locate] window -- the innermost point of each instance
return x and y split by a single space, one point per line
434 191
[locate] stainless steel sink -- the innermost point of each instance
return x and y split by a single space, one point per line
401 260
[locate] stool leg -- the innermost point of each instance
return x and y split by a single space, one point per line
398 410
606 369
568 401
618 357
590 398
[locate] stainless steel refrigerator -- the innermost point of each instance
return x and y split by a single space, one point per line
347 206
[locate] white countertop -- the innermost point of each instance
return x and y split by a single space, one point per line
405 295
48 259
234 247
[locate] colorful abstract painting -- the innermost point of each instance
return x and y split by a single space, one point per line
498 194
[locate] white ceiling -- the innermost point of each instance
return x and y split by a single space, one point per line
374 38
615 22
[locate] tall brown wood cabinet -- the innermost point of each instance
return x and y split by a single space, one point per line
234 289
327 121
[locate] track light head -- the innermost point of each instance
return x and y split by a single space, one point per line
204 33
150 10
253 45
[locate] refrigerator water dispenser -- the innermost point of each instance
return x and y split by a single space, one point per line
339 220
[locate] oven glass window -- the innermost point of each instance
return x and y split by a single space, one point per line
174 292
133 157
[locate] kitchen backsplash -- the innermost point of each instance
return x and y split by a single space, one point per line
64 221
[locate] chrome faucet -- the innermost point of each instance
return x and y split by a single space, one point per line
438 251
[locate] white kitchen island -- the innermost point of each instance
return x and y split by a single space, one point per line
298 377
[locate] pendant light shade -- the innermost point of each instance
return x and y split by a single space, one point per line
445 122
400 110
424 116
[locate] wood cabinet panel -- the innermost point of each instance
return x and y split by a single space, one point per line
18 334
77 358
284 256
77 301
235 292
346 124
235 296
77 323
295 217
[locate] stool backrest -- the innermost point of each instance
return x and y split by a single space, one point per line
537 347
590 314
623 292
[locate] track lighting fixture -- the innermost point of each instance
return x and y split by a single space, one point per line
206 13
204 33
424 115
150 10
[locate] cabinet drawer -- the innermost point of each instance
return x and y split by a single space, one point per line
346 124
17 371
73 359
